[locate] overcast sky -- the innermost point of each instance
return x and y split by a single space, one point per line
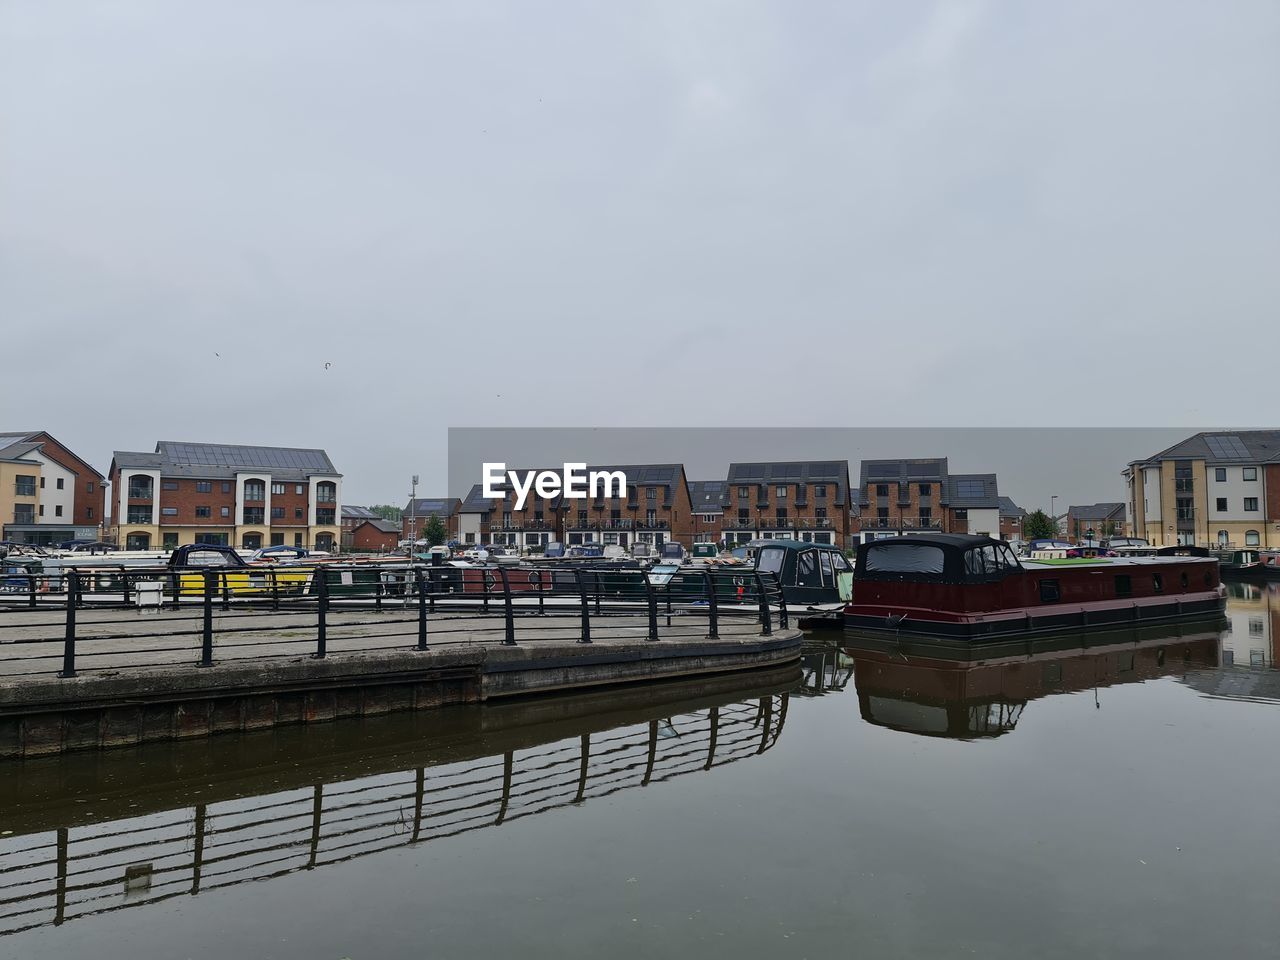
354 224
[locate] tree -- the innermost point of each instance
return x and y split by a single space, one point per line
1039 524
434 532
386 512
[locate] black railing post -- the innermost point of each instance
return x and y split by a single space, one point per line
782 602
653 608
275 588
31 580
586 613
508 613
124 583
377 594
175 580
226 592
536 577
69 646
322 640
431 590
598 592
766 622
206 634
713 607
422 609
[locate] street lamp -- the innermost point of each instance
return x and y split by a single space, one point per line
1053 514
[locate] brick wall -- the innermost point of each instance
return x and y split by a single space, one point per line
368 537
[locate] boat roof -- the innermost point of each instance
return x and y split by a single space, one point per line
788 544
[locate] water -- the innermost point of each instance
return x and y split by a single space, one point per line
1116 803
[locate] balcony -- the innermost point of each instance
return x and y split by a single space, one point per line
23 516
23 488
617 525
254 515
140 491
904 523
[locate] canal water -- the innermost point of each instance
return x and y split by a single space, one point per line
1114 801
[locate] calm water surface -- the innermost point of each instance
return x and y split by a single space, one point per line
1115 802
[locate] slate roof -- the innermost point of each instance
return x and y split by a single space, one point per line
1224 446
1097 511
963 490
223 461
1010 509
707 495
358 513
383 526
17 450
425 506
972 490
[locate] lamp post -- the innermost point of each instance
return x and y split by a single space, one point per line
1053 513
413 513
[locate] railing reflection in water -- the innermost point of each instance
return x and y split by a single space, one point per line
68 872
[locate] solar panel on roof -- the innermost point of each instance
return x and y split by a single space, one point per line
1226 447
970 489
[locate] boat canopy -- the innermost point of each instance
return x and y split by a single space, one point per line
952 558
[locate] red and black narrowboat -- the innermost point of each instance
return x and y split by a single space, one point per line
974 588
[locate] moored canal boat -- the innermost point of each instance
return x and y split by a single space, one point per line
1241 564
975 588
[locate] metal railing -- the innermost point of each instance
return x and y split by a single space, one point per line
904 523
55 621
70 869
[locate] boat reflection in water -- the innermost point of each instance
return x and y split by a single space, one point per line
940 692
95 833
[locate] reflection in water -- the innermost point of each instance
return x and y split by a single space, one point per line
64 862
1253 612
925 691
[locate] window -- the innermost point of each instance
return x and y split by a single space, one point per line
1250 473
170 485
882 489
277 513
1252 538
60 483
962 513
277 489
820 513
820 490
225 511
204 486
1251 504
226 486
904 558
42 483
168 511
1222 504
744 493
1220 474
651 493
807 574
926 516
651 517
24 486
203 512
582 518
297 488
326 516
297 513
1157 583
1223 538
88 513
42 509
88 487
169 541
297 540
780 493
277 539
254 515
1050 591
255 490
138 515
926 489
1124 585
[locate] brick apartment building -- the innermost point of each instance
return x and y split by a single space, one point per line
1211 489
416 513
923 496
803 500
496 520
242 496
48 494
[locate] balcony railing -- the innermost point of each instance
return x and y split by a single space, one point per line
625 524
905 523
24 516
254 516
140 493
138 516
522 525
777 523
24 489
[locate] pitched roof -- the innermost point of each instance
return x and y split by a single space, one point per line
475 501
1097 511
382 526
225 460
972 490
358 513
901 471
1010 509
17 450
1224 446
426 506
707 495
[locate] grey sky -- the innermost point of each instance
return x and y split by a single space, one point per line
529 214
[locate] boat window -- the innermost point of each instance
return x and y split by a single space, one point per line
207 558
983 561
1157 583
807 570
825 559
1184 581
840 563
1050 591
770 560
1124 585
905 558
